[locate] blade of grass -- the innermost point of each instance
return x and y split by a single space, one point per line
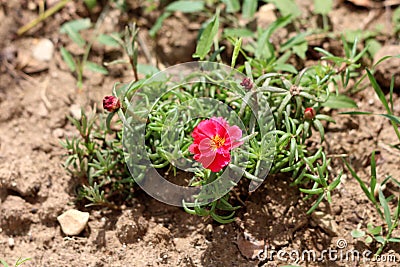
46 14
356 113
386 209
320 198
362 184
3 263
392 118
373 173
378 91
391 94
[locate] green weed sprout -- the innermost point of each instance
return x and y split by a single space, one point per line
391 219
19 262
96 156
378 233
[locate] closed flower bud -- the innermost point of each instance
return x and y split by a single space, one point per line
246 83
111 103
309 113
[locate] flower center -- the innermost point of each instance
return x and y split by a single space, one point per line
217 142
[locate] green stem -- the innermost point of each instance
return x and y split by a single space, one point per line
212 177
134 69
389 234
79 72
396 129
216 46
42 17
325 22
378 209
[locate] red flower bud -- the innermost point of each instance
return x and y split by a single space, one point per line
309 113
111 103
246 83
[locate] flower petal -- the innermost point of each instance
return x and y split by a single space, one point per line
235 132
219 162
206 160
206 128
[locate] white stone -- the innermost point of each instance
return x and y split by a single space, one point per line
76 111
11 242
43 50
58 133
73 221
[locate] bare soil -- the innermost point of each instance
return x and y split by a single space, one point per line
36 96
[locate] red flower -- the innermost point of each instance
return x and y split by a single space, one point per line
309 113
111 103
213 140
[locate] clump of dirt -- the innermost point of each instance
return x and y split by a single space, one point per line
388 68
16 216
176 40
131 227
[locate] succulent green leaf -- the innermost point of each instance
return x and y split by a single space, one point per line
357 233
186 6
95 67
207 38
339 101
249 8
68 59
323 7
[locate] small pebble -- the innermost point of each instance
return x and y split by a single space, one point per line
42 110
11 242
75 111
73 221
43 50
58 133
34 210
337 210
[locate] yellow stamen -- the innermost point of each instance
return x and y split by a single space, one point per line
217 142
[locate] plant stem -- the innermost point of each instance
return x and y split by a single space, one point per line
42 17
389 234
378 209
134 68
325 22
89 47
396 129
